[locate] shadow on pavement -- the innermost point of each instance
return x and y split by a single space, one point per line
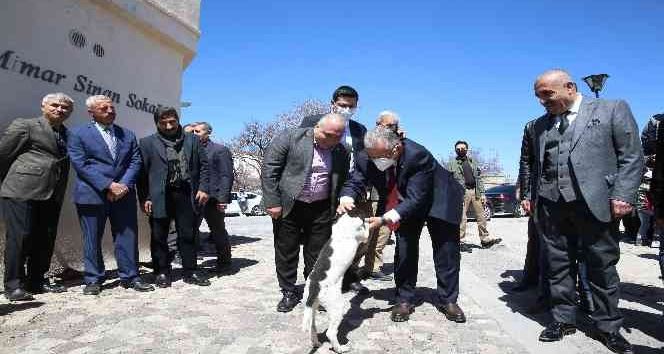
647 322
237 264
356 315
6 309
523 303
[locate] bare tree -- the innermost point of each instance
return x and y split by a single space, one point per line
489 163
249 147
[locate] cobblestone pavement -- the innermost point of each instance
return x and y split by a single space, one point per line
236 314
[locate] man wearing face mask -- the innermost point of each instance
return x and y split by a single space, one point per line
584 170
416 190
173 186
467 172
303 170
344 102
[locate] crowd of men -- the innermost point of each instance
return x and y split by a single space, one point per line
582 168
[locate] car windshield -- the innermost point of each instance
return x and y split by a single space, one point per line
501 189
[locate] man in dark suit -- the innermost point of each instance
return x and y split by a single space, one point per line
220 171
585 169
344 102
416 189
33 168
107 162
303 170
173 186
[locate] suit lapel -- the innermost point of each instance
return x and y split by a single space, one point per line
50 136
308 146
542 127
96 135
159 147
586 111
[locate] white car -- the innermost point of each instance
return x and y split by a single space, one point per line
254 204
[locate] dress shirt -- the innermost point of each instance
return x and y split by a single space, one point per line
317 184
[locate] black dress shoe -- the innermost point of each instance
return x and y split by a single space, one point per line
288 301
401 312
490 243
162 280
18 295
137 284
355 287
380 276
615 342
196 279
92 289
452 312
555 331
464 247
47 287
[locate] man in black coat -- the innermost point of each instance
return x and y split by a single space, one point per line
173 185
220 171
416 190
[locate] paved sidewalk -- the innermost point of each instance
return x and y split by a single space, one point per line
237 313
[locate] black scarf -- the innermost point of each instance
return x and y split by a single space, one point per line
178 169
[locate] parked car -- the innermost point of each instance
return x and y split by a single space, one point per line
503 200
254 204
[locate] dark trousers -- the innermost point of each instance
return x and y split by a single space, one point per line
178 208
446 257
562 225
30 237
218 234
313 223
124 229
531 266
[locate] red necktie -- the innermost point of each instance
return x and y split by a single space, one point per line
392 194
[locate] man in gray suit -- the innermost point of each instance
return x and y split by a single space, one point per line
303 171
585 167
33 168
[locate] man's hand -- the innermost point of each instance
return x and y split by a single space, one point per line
526 206
221 207
345 206
110 196
118 190
275 212
201 197
375 222
620 208
147 207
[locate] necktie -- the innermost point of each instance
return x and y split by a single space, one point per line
392 194
112 144
564 122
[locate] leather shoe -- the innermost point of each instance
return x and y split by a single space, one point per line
47 287
356 287
555 331
288 301
196 279
452 312
490 243
614 341
18 294
137 284
92 289
380 276
163 280
401 312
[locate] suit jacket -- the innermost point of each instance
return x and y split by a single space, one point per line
287 163
152 180
426 188
606 156
31 165
220 170
657 182
357 130
95 167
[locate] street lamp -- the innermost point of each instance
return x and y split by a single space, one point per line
185 104
596 82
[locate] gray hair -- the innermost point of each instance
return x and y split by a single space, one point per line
385 114
92 101
57 97
330 117
207 125
381 134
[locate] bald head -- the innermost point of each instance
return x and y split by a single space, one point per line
555 90
329 130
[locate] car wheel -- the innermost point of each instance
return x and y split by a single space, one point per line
488 213
257 210
517 212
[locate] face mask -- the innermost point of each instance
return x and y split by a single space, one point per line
461 153
346 112
383 163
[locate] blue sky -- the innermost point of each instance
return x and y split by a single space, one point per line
452 69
